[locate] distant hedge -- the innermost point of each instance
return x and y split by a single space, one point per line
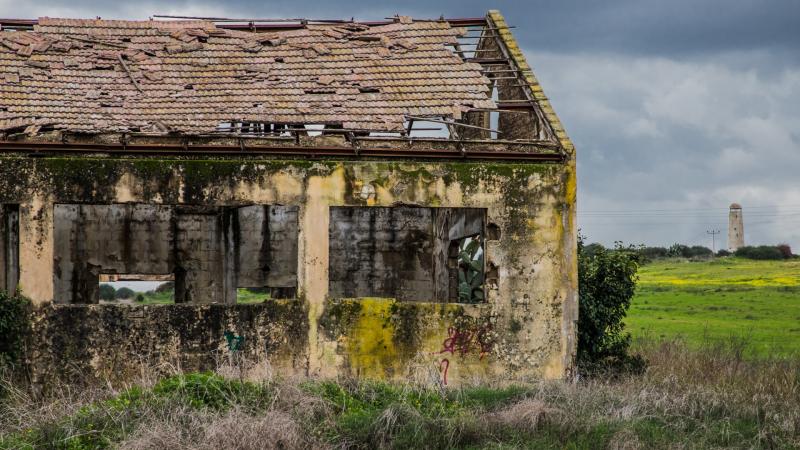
782 251
674 251
124 293
107 292
775 252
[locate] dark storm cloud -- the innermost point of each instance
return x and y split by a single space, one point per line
681 106
629 26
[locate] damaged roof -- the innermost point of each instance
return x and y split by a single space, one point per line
191 76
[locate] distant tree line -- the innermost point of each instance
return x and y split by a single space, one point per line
768 252
108 293
782 251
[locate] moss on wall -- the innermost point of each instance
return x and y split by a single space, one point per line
115 342
378 337
339 317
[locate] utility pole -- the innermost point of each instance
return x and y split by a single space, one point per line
713 234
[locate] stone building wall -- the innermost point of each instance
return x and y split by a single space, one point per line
525 327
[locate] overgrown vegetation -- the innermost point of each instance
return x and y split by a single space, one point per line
675 251
124 293
14 330
470 270
107 292
14 326
701 253
769 252
606 285
706 398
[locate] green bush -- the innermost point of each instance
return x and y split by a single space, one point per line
107 292
785 250
606 284
470 271
651 253
698 251
647 254
14 327
167 286
766 252
124 293
685 251
207 390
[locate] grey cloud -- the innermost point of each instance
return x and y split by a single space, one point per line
684 105
656 133
685 27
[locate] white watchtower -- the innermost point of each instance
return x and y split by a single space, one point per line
735 227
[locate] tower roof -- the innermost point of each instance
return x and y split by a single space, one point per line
736 206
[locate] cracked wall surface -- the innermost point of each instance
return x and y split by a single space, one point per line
525 328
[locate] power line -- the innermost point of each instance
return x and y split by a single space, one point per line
680 214
791 206
789 214
713 234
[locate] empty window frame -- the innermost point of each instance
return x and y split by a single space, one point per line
407 253
9 247
209 251
137 288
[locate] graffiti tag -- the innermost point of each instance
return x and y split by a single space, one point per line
473 339
234 342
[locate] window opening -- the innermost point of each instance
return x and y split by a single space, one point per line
9 247
136 289
407 253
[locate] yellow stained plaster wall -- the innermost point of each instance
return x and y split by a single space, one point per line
528 313
569 208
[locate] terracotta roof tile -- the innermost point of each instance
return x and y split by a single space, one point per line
194 76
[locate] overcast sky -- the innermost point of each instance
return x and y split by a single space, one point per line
677 108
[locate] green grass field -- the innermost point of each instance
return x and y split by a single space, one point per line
165 298
757 301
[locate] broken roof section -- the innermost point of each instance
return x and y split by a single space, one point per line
190 76
212 77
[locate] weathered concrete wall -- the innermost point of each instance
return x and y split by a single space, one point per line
525 328
113 342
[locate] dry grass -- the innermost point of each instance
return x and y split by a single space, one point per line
526 414
711 398
235 430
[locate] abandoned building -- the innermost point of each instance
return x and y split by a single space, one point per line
400 191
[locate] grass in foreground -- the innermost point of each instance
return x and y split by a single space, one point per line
758 301
708 398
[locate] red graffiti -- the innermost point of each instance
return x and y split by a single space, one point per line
444 364
464 341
